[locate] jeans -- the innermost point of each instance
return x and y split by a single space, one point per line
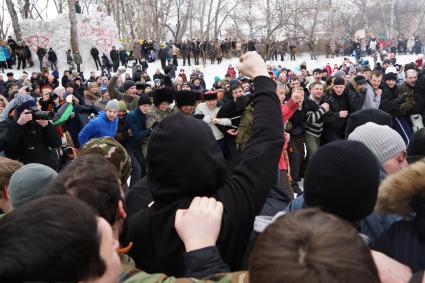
312 144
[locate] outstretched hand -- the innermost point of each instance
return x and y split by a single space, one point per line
199 225
252 65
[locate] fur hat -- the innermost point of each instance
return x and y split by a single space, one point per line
390 77
162 95
185 98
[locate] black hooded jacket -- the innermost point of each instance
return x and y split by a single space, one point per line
184 161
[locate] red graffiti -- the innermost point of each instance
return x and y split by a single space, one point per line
37 41
104 44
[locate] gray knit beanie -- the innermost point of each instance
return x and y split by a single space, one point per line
384 142
30 182
112 104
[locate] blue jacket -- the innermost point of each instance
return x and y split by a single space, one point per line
98 127
6 52
136 122
372 226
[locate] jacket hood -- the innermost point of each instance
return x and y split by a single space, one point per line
183 159
404 191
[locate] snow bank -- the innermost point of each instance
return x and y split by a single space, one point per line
93 30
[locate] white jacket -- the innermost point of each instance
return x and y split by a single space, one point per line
211 120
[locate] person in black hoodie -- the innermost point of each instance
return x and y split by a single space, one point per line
94 52
177 171
53 59
335 119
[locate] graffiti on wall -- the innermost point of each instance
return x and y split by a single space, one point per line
104 37
36 41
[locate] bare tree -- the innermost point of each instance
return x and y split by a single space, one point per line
73 21
15 20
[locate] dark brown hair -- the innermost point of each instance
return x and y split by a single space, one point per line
311 246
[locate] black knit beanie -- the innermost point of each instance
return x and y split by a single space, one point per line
343 178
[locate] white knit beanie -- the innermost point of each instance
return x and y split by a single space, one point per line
383 141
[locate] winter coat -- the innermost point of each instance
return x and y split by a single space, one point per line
409 92
114 55
162 54
155 115
31 143
403 193
98 127
136 122
337 104
137 51
132 102
371 100
94 52
391 101
6 52
2 55
178 172
373 225
77 59
356 97
41 52
52 56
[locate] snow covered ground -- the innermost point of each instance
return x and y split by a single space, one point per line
210 71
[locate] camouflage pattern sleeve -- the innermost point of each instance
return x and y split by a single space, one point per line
235 277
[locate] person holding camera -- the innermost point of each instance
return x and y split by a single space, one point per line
30 137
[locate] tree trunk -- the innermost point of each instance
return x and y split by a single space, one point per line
15 21
74 29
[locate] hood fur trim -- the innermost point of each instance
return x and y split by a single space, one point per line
398 190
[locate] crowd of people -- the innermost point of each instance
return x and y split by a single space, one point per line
268 175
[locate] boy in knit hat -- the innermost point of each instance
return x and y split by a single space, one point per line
104 125
122 133
385 143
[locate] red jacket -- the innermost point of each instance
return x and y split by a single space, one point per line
288 110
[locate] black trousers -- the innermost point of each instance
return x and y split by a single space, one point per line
138 166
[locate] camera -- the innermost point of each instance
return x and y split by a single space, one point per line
42 115
53 95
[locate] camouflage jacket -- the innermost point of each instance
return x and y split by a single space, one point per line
408 105
235 277
156 115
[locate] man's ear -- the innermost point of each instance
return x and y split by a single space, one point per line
4 192
121 211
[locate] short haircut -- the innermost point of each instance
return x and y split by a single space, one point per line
377 74
411 72
94 180
313 84
234 87
297 89
317 70
7 168
311 246
50 239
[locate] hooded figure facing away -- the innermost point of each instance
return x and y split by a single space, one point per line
184 161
